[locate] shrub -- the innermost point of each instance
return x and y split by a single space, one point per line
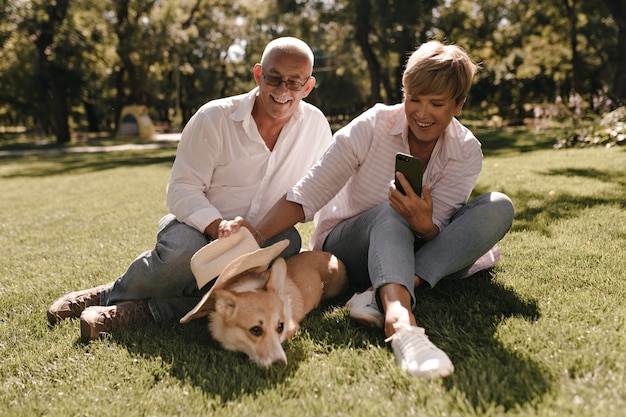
607 130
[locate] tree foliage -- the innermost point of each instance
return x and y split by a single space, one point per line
72 66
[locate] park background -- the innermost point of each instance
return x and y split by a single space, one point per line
70 67
540 334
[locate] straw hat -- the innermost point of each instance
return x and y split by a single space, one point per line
228 257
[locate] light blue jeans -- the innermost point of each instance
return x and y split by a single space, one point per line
378 246
163 275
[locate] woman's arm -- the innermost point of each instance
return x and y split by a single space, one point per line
283 215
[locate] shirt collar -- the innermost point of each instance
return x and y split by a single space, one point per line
244 109
400 124
454 148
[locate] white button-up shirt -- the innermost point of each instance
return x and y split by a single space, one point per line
223 168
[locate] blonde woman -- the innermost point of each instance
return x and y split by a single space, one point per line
393 243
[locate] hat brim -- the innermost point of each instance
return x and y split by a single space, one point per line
231 259
211 260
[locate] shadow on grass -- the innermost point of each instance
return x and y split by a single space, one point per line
44 165
194 357
537 211
462 317
514 140
605 176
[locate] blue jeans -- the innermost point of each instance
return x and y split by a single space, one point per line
163 275
378 246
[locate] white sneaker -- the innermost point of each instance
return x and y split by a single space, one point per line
417 355
364 309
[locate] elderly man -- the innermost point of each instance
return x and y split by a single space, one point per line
237 156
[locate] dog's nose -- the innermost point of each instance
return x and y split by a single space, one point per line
280 361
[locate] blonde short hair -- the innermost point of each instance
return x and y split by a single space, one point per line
435 68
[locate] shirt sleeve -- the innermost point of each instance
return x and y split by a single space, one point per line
335 168
192 172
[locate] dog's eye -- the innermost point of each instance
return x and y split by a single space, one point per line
256 331
281 327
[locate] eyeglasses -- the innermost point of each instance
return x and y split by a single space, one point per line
293 85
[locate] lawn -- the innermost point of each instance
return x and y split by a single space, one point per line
541 334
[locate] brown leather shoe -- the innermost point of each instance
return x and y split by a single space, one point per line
71 305
97 320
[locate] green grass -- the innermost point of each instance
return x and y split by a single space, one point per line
542 334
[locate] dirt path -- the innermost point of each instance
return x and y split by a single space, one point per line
168 140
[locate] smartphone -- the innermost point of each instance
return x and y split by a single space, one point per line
413 170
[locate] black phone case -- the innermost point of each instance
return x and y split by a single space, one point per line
413 170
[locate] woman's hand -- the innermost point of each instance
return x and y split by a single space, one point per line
228 227
417 211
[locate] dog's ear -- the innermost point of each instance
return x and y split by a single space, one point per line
278 276
225 303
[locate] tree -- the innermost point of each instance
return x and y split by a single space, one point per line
17 69
618 12
88 60
42 21
363 31
126 21
572 18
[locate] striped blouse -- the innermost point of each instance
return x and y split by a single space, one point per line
354 173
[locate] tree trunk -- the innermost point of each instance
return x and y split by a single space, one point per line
92 116
122 32
572 18
363 29
120 97
48 72
60 111
136 95
40 105
618 11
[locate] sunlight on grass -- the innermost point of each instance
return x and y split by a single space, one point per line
542 334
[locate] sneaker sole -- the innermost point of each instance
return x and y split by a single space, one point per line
368 320
441 372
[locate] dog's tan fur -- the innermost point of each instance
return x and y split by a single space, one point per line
255 312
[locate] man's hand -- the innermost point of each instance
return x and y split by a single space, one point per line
227 227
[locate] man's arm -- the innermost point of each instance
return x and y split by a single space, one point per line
212 230
196 158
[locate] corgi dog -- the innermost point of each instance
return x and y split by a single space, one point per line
253 307
256 312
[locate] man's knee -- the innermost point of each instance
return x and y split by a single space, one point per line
295 242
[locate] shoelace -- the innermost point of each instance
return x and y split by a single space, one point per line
80 303
399 327
411 341
130 315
